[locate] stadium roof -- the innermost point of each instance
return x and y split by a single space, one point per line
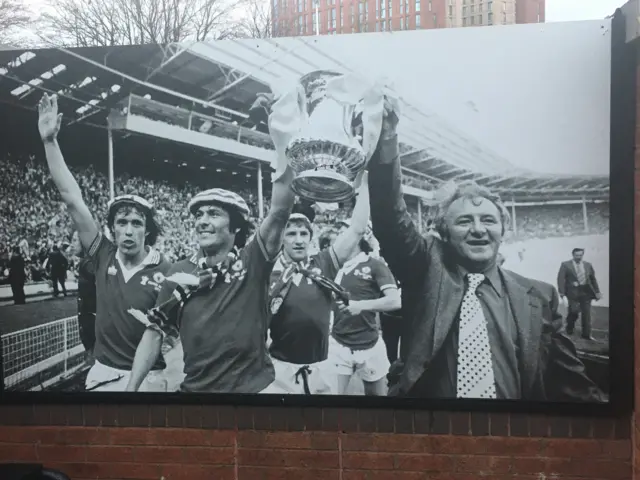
222 79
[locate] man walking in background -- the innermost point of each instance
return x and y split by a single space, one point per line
17 276
577 283
57 266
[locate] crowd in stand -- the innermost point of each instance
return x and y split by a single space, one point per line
33 217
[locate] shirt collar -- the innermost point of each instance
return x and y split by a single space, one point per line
492 277
153 257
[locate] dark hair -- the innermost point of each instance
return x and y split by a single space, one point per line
238 224
152 227
365 246
305 208
324 240
577 250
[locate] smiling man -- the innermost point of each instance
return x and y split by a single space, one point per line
216 301
128 271
475 330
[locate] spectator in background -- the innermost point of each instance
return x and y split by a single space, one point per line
57 269
17 276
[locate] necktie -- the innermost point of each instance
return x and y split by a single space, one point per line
580 268
475 367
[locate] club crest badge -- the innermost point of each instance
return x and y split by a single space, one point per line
276 303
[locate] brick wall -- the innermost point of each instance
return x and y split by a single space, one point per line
193 442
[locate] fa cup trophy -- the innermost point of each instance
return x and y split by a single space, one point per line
334 136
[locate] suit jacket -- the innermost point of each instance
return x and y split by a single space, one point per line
17 275
58 263
547 360
568 280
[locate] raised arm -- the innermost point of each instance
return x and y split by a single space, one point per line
49 125
282 200
347 240
401 244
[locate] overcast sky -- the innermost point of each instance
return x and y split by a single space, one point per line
570 10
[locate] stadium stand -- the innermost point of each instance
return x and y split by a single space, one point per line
33 212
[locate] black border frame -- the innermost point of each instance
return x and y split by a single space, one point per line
624 59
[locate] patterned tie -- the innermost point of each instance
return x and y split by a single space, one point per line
475 367
581 278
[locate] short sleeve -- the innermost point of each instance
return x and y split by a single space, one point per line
100 251
383 276
256 260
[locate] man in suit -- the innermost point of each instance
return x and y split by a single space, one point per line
17 276
577 283
57 268
474 329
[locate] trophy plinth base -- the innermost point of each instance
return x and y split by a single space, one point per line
323 185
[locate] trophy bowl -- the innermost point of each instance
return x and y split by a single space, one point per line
326 155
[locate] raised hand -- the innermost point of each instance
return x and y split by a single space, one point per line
49 119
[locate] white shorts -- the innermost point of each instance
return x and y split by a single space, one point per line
372 364
102 378
290 379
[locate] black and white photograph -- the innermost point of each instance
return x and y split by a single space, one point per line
417 214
